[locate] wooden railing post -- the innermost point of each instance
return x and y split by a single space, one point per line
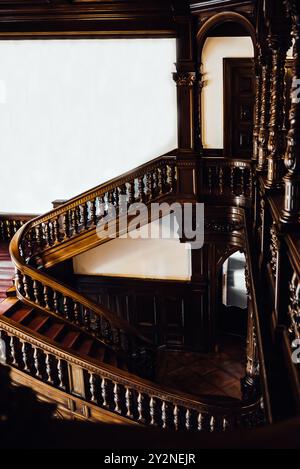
291 212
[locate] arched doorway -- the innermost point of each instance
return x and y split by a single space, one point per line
226 104
232 305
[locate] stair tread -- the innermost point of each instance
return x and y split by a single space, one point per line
7 304
20 314
111 358
37 322
70 339
99 353
86 346
54 330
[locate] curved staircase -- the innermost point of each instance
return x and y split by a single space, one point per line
58 337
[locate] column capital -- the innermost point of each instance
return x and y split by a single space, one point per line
184 78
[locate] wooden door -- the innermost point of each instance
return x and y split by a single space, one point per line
239 100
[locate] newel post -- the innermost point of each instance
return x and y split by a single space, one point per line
185 78
279 45
258 107
263 133
291 212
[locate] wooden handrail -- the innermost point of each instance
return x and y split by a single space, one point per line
118 387
64 225
11 222
76 219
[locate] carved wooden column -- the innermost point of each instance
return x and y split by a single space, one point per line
250 384
291 211
263 135
258 105
279 45
185 81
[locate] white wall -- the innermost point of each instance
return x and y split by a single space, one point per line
96 108
215 49
140 258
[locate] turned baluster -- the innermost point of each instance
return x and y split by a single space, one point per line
172 178
212 423
2 232
77 218
188 419
77 312
115 197
36 291
128 402
141 187
163 173
93 387
50 370
8 231
64 227
25 356
38 235
26 283
140 400
200 422
55 224
37 363
97 326
61 374
85 215
104 329
104 393
221 180
73 221
225 424
44 234
13 350
86 319
176 417
116 337
101 208
66 308
117 398
3 347
232 178
131 193
150 185
164 417
243 181
56 302
19 282
152 406
159 181
210 184
123 199
46 294
51 232
92 212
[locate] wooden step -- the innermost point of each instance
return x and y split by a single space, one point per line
54 330
110 358
70 339
20 314
8 304
11 292
36 322
85 347
98 353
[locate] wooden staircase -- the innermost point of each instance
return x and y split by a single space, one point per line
60 338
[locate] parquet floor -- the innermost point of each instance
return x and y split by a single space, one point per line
213 374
